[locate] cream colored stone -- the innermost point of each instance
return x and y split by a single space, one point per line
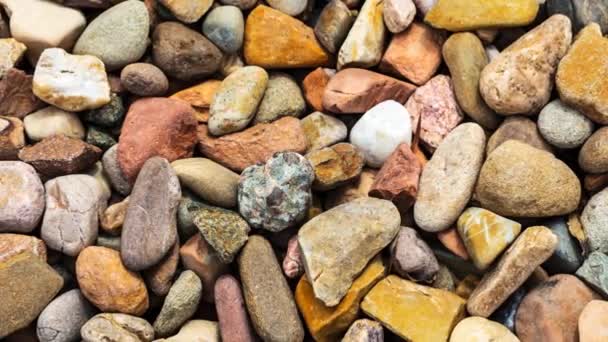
51 121
479 329
11 52
187 11
364 44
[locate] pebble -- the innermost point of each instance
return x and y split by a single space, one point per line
381 130
150 228
444 192
224 230
290 7
159 277
100 137
593 219
364 43
562 126
52 121
348 192
16 96
533 247
112 169
398 14
117 327
225 27
335 165
179 305
276 196
59 76
21 197
364 330
333 25
481 329
187 11
594 272
242 4
518 128
11 53
412 258
293 266
196 331
592 156
12 137
197 256
282 97
451 240
61 320
199 97
109 115
567 257
587 12
144 79
14 244
337 244
209 180
232 315
313 87
269 301
323 130
592 322
519 180
507 312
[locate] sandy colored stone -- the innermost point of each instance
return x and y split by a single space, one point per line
113 217
14 244
187 11
196 330
21 197
333 25
335 165
209 180
323 130
357 189
478 329
198 256
283 97
593 156
451 240
52 121
117 327
593 322
12 137
16 96
364 43
11 52
199 97
518 128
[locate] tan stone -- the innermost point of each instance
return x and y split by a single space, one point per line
323 130
349 192
12 137
199 97
365 41
313 87
11 52
479 329
209 180
187 11
13 244
335 165
593 322
114 216
518 128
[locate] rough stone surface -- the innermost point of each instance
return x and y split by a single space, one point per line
481 329
364 330
144 79
117 327
335 21
592 322
518 128
198 256
412 258
14 244
595 273
109 115
52 121
62 319
16 96
112 170
224 230
593 219
283 97
335 165
12 137
21 197
231 311
313 87
562 126
365 41
323 130
180 304
225 27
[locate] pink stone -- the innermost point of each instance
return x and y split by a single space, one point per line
231 312
292 264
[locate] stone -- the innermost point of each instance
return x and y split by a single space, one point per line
567 257
21 197
199 97
465 15
150 227
100 137
364 43
108 284
242 4
52 121
333 25
364 330
295 47
283 97
14 244
398 14
276 196
112 169
179 305
329 323
109 115
465 57
380 131
533 247
289 7
269 301
412 258
414 54
337 244
335 165
12 138
225 27
592 156
16 96
209 180
444 192
553 309
159 277
237 99
592 322
518 128
27 285
254 145
11 52
520 79
313 87
232 316
451 240
117 327
293 266
481 329
519 180
593 219
197 256
594 272
59 155
357 189
144 79
183 53
506 313
61 320
564 7
580 75
562 126
155 127
486 235
224 230
414 312
323 130
187 11
587 12
196 331
434 105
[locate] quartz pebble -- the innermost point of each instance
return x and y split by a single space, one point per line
117 327
365 40
52 121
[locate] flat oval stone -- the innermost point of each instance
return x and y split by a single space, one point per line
209 180
594 219
518 128
333 25
563 126
180 304
51 121
282 97
364 44
225 27
593 156
62 319
144 79
21 197
444 192
482 329
117 327
231 311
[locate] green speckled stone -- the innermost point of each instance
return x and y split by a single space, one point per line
225 230
109 116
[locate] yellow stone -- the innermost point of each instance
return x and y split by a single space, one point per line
414 312
199 97
329 323
187 11
273 39
582 75
467 15
486 235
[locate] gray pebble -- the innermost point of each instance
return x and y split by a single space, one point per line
567 257
563 126
595 272
112 169
283 97
62 319
225 27
595 220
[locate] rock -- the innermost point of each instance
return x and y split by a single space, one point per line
253 145
233 322
242 4
209 180
329 323
14 244
323 130
225 27
11 52
283 97
594 272
117 327
100 137
337 244
224 230
276 195
562 126
237 99
108 284
21 197
183 53
581 75
159 278
593 219
506 313
313 87
187 11
465 56
364 43
380 131
412 258
553 309
414 54
109 115
519 180
333 25
533 246
357 189
335 165
12 138
62 319
592 156
410 310
199 97
567 257
155 127
293 267
115 174
16 96
196 331
520 79
587 12
465 15
27 285
295 47
444 192
33 23
180 304
364 330
482 329
269 301
290 7
518 128
150 227
486 235
144 79
52 121
435 106
592 322
198 256
398 14
451 240
59 155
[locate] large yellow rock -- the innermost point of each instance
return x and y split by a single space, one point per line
467 15
329 323
273 39
414 312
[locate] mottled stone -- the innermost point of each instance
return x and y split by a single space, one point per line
199 97
117 327
567 257
518 128
14 244
224 230
11 52
198 256
593 219
364 43
357 189
293 267
12 137
592 323
364 330
16 96
187 11
209 180
52 121
179 305
323 130
481 329
595 273
109 115
412 258
562 126
62 319
144 79
335 165
333 25
112 169
196 331
21 197
231 311
283 97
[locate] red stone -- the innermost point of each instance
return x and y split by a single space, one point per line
231 312
314 85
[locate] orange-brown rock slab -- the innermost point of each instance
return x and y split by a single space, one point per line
199 97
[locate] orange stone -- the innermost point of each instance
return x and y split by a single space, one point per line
314 85
199 97
451 240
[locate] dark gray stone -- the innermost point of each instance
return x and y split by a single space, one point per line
62 319
560 7
100 138
589 11
567 257
110 115
507 312
188 205
595 272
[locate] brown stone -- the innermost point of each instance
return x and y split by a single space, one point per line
356 90
451 240
155 127
12 137
335 165
593 322
59 155
16 96
231 312
199 257
13 244
414 54
113 217
254 145
518 128
160 277
467 285
314 85
595 183
358 189
199 97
